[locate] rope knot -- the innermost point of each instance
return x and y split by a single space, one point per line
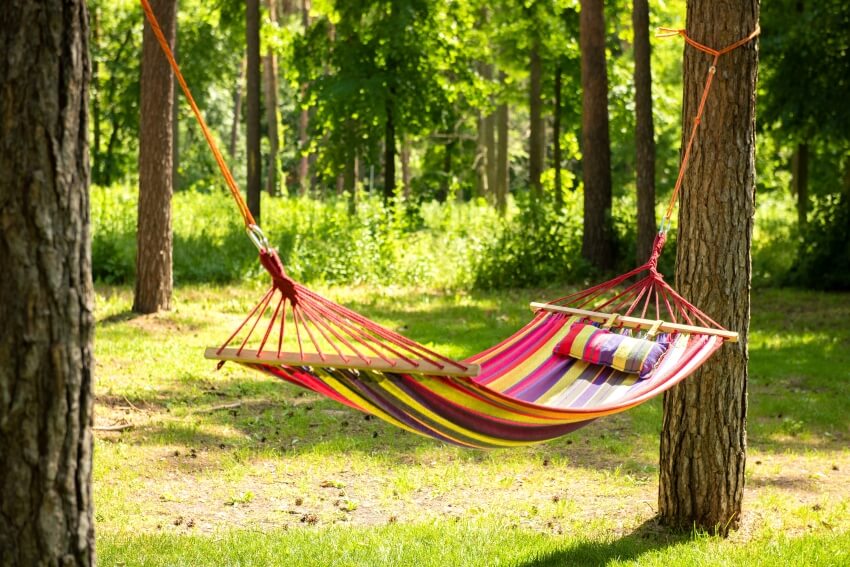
657 247
274 266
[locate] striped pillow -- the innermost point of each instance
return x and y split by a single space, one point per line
601 346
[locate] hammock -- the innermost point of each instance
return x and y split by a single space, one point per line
581 357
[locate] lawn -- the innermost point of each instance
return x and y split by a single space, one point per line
228 467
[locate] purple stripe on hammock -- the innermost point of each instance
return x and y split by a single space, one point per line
554 372
495 367
481 423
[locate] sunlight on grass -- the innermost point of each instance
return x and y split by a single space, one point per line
235 465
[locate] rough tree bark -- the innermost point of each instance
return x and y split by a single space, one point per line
389 150
644 133
237 111
272 116
536 134
598 243
556 137
502 160
304 120
154 237
46 296
703 441
252 114
800 183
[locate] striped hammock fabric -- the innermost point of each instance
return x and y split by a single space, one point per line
525 393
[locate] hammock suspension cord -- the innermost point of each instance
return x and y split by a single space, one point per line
337 333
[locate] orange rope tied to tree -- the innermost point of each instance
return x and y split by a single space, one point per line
716 53
247 217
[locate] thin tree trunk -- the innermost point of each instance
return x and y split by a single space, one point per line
556 138
502 159
405 166
46 296
598 242
445 182
536 135
272 115
304 121
237 111
389 153
644 133
800 183
96 94
703 440
480 163
153 237
490 145
175 126
254 158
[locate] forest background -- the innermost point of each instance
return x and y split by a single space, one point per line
439 143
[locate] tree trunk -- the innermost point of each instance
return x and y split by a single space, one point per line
389 153
405 167
536 134
703 440
237 111
598 243
800 183
252 33
153 236
644 133
502 160
556 138
481 187
46 296
272 116
445 182
304 121
175 124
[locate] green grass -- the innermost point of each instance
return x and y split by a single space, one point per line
289 478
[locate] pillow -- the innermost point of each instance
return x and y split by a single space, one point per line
600 346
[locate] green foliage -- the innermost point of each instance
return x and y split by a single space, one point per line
824 259
541 244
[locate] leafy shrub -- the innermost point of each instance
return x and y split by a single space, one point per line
447 245
824 258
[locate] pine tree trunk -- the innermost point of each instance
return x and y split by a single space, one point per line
703 441
556 138
175 125
253 157
502 159
272 118
481 187
46 296
405 167
237 111
536 134
304 121
154 237
800 184
644 133
597 243
389 153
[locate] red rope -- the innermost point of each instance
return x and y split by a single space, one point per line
716 54
225 171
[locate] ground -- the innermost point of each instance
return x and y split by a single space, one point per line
187 453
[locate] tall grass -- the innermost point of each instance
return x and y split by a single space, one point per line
451 245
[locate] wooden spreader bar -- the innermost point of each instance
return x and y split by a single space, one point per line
336 361
637 322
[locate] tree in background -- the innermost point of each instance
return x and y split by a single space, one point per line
270 81
46 296
703 438
644 132
154 238
252 111
598 240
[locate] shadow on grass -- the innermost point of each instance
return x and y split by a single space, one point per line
647 537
